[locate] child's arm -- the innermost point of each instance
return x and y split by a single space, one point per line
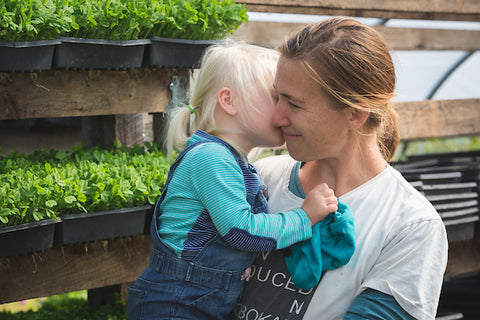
219 185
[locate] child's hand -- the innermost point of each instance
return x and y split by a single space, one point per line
319 203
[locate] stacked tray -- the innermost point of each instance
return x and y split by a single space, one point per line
450 181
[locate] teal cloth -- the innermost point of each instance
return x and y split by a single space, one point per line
331 246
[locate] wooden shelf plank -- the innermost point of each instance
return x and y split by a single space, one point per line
430 39
271 34
106 263
431 118
73 268
84 93
455 10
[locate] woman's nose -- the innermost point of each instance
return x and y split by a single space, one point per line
279 116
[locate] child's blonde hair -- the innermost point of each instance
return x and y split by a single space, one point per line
247 70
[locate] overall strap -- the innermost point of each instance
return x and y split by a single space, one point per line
173 167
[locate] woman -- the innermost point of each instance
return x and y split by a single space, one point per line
335 81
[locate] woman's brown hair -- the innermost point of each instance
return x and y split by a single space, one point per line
352 64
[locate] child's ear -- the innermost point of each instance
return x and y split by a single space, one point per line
225 100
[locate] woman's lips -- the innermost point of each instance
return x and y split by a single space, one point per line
287 135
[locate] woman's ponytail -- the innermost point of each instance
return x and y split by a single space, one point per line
388 137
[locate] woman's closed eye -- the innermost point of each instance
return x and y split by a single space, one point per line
293 106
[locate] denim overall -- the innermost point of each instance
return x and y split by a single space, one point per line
209 285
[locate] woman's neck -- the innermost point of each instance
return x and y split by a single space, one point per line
345 173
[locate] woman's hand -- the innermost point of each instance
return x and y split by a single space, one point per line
319 203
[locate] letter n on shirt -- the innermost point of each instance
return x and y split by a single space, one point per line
270 292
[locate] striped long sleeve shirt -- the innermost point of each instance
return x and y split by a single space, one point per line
209 178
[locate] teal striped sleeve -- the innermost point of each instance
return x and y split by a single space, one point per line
218 183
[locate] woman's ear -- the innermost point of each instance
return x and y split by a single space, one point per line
357 117
225 100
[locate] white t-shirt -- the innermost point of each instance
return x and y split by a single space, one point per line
401 250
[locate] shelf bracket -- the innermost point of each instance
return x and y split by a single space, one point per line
180 89
179 86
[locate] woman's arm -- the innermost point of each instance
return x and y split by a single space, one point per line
375 305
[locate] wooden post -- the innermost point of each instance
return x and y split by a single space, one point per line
101 296
129 129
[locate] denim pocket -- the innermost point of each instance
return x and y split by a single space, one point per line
135 303
152 300
202 297
208 303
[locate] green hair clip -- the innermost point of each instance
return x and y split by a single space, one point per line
189 106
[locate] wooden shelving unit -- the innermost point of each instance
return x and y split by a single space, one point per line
118 95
